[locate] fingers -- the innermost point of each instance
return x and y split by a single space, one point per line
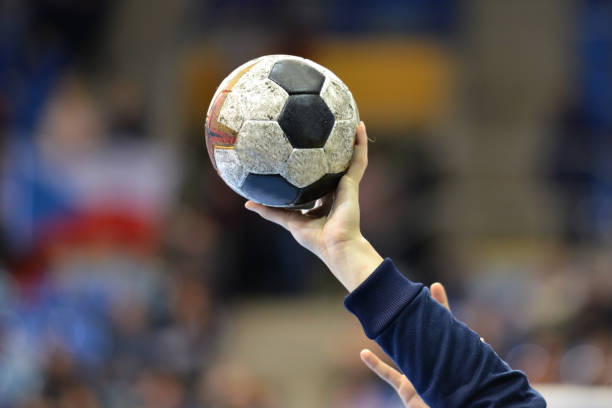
439 293
399 382
276 215
383 370
348 188
359 161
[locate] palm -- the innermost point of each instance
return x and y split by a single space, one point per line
343 218
328 225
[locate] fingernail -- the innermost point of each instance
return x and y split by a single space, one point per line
367 358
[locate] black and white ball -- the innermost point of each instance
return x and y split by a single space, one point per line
280 130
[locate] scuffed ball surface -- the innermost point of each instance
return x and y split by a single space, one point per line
280 130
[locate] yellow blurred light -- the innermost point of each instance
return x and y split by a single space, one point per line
395 81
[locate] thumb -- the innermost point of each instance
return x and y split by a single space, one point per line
359 161
439 294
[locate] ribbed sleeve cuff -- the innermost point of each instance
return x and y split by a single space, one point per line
381 297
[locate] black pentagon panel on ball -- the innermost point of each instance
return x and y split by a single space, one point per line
306 121
296 77
319 188
269 189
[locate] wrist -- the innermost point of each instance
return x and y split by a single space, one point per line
353 261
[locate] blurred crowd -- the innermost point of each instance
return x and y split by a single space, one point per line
122 252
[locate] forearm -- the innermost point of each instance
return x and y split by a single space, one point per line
351 262
446 361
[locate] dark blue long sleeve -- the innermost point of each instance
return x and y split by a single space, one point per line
446 362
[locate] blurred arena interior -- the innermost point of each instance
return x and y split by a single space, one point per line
130 275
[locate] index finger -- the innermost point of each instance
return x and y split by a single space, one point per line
383 370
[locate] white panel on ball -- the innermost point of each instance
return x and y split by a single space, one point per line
339 100
229 167
305 166
231 112
262 147
339 145
253 100
262 99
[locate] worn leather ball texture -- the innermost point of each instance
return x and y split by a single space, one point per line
280 130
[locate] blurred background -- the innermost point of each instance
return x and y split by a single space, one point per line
130 275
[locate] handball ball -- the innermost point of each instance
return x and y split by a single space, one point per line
280 130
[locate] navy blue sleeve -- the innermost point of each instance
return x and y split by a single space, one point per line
446 362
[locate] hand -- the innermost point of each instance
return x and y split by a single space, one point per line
397 380
331 231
